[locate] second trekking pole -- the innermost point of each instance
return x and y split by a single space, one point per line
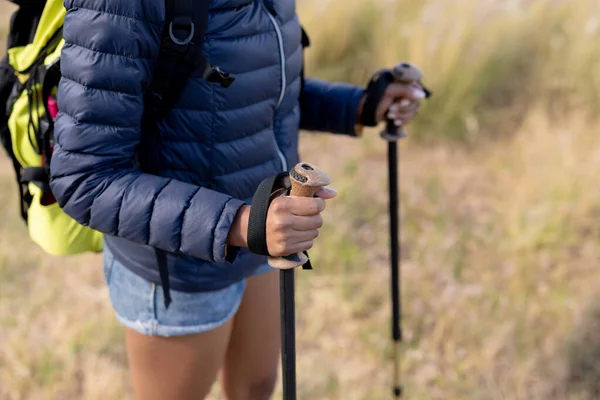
407 74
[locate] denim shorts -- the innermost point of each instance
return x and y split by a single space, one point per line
139 305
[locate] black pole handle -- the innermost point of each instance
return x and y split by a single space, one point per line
404 73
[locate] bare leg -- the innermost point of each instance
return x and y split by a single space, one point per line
176 368
251 363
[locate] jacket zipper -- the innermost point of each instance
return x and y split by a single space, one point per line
283 81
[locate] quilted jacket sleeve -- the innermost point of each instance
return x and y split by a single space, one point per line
111 48
329 107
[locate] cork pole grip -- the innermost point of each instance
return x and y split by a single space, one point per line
403 73
306 179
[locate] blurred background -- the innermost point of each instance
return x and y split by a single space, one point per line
500 222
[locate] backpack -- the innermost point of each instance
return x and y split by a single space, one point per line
29 77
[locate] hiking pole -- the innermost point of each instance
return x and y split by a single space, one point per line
306 179
408 74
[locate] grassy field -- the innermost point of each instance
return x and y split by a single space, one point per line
500 211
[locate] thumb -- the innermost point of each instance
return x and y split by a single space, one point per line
326 193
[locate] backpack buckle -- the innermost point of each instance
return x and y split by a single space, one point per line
216 74
184 24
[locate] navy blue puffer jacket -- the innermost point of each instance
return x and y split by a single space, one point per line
216 145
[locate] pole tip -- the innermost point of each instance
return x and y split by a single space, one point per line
398 391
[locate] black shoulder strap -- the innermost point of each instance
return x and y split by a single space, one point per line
24 195
181 55
24 22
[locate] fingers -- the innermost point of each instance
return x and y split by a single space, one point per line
405 91
405 95
304 236
293 222
285 248
305 206
326 193
300 247
306 223
401 107
403 115
383 106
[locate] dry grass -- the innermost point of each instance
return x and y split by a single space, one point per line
500 233
488 62
500 264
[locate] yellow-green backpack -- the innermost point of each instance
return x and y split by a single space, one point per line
30 73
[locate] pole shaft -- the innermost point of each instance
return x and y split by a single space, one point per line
395 242
394 259
288 333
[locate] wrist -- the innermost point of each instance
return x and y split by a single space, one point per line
238 233
358 125
359 109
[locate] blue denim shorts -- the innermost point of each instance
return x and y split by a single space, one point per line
139 304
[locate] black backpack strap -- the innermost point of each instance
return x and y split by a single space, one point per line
180 56
50 81
36 175
24 196
163 270
24 22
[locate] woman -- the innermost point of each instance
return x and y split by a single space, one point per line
214 148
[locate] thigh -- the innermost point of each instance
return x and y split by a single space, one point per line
175 368
173 353
251 363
